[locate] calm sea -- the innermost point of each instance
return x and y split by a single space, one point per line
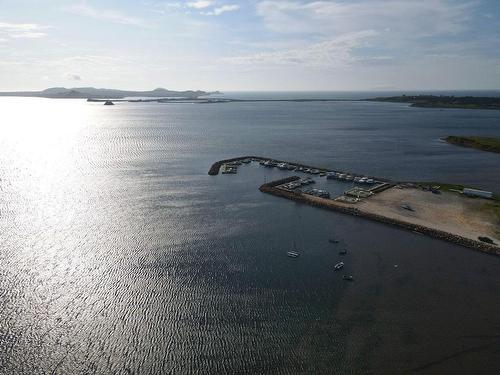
120 255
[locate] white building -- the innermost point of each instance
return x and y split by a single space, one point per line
478 193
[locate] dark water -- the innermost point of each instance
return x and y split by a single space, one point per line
119 254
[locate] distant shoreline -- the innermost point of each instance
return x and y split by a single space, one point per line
105 94
435 101
163 96
489 144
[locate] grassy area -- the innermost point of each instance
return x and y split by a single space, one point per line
451 187
442 187
481 143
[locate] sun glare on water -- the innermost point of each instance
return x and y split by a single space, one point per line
40 141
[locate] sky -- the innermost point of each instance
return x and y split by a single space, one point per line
268 45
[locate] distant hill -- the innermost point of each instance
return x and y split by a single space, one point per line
91 92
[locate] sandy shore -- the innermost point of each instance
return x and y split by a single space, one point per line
448 212
447 216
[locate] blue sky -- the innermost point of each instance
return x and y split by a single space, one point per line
250 45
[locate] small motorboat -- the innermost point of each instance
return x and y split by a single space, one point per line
339 266
348 278
292 254
331 240
343 252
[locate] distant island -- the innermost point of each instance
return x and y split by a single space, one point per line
93 93
481 143
435 101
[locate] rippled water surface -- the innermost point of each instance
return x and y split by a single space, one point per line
119 254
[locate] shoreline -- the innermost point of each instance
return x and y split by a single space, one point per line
488 144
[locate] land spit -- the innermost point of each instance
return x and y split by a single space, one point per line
446 216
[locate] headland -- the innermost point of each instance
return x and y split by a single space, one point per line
439 101
490 144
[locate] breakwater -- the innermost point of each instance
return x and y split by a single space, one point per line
271 188
215 168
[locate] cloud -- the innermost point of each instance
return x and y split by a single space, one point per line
362 32
411 17
200 4
222 9
28 35
86 10
333 52
21 30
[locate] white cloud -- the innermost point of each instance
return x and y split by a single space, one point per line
329 33
28 35
200 4
415 17
331 53
104 14
19 26
21 30
223 9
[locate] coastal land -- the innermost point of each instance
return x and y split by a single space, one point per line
443 213
435 101
161 95
490 144
93 93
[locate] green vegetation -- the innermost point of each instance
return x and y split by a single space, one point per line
481 143
452 188
434 101
442 187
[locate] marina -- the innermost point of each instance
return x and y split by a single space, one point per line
462 217
139 226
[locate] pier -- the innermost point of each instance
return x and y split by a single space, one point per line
215 168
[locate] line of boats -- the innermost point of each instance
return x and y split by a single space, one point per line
317 193
338 266
348 177
232 167
291 167
329 174
304 182
298 183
